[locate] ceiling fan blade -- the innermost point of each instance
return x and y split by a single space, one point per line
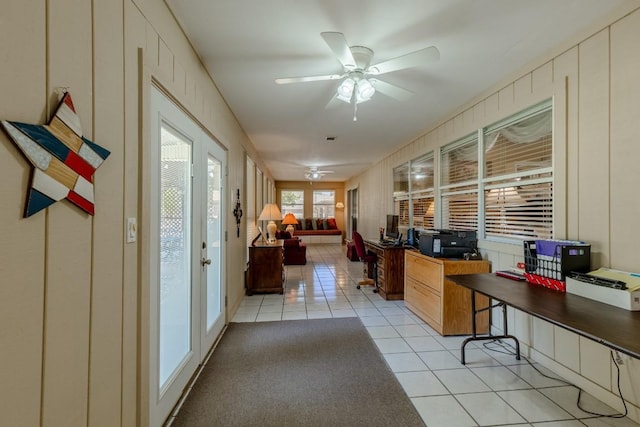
287 80
334 102
393 91
413 59
340 48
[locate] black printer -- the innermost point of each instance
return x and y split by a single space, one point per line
448 243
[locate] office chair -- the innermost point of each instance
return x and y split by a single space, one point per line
368 259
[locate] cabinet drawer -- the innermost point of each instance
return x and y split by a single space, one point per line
423 270
423 300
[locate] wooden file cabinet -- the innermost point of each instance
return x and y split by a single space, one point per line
266 268
445 306
390 269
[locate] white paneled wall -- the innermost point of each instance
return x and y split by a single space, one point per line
596 94
72 303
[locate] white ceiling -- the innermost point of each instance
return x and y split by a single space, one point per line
247 44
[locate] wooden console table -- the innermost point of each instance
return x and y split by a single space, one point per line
390 269
266 268
608 325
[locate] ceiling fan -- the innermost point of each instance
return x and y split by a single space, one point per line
313 173
359 81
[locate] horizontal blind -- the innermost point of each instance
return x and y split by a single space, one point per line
460 211
459 162
423 212
459 184
518 176
402 209
523 212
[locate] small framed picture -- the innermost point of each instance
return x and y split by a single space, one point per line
264 239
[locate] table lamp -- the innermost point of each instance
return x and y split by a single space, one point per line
270 213
290 220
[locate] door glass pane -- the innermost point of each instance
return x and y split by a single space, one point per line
214 240
175 252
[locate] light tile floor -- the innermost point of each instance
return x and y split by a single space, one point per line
492 389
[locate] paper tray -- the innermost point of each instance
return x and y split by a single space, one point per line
619 298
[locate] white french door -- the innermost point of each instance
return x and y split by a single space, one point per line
186 251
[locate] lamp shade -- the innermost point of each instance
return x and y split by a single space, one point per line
289 218
270 212
340 205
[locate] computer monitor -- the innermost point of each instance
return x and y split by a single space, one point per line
391 230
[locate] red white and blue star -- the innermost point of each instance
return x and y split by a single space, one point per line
64 160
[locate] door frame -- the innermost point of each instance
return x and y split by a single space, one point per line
147 393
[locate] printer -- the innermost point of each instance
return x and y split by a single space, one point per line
448 243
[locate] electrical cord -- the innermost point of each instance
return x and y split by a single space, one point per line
505 349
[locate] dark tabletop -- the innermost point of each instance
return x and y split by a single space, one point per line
614 327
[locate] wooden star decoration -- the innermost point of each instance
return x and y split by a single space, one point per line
64 161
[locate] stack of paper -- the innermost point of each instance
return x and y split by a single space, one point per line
631 279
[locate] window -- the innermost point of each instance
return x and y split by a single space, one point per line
401 208
401 180
459 184
324 205
498 180
292 201
421 189
518 176
413 192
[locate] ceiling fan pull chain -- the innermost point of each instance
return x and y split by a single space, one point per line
355 106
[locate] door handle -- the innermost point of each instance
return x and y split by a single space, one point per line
205 261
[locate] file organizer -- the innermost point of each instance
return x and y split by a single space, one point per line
547 262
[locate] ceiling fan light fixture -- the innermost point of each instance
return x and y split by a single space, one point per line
365 90
346 89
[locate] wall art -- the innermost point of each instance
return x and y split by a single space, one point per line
64 161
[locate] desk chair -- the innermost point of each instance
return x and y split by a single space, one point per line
368 259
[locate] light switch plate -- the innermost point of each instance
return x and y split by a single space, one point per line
132 230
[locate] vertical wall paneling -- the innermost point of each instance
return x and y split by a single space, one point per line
542 338
595 362
69 231
624 203
567 348
22 249
565 69
593 146
105 382
522 91
135 41
542 78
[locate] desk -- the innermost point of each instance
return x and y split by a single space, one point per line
438 301
390 269
614 327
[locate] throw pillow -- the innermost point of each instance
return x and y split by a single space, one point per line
331 224
308 224
319 224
